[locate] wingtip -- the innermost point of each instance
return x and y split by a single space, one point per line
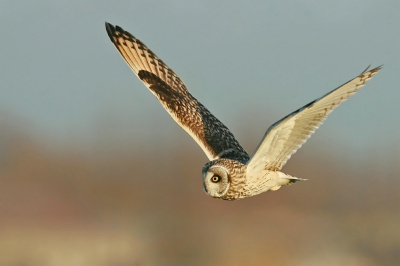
115 30
376 69
108 25
110 30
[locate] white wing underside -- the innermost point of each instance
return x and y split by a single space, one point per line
287 135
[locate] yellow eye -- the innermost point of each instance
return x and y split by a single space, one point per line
215 179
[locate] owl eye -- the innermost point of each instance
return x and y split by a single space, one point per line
215 179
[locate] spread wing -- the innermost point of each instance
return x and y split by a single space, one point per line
287 135
210 134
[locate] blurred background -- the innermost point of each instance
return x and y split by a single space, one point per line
93 171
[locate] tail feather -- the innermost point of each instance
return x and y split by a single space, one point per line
293 179
286 180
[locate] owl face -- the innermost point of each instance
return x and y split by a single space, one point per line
216 181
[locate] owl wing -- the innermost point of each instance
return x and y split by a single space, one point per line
286 136
210 134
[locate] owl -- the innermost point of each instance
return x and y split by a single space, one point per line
231 173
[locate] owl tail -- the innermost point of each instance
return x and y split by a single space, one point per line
285 180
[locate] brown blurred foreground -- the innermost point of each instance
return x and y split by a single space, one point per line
137 206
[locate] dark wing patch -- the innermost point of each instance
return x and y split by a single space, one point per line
196 119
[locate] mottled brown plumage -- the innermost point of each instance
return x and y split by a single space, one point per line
214 137
231 174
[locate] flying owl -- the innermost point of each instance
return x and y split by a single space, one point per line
231 173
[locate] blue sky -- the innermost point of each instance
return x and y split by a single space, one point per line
249 62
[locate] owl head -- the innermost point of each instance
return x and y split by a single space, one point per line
216 179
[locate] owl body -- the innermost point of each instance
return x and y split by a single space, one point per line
227 179
231 173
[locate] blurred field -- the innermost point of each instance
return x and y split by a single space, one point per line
145 206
